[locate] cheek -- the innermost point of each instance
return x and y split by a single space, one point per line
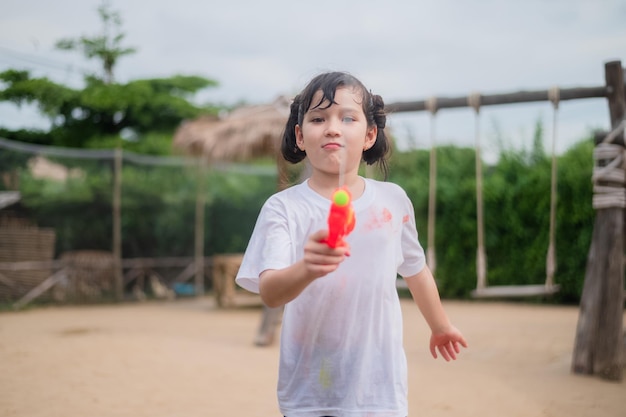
310 133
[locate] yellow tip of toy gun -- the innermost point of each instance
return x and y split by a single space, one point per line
341 198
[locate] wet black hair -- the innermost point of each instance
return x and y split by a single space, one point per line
328 83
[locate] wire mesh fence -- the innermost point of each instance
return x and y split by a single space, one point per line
87 225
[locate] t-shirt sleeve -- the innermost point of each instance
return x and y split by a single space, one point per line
413 258
269 247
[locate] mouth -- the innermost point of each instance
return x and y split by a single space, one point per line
332 146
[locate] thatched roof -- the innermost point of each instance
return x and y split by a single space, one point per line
245 133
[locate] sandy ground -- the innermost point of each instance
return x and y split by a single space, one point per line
189 358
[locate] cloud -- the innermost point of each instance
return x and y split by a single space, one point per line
402 49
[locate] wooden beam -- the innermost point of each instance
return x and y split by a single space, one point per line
615 85
499 99
506 291
31 265
48 283
126 263
599 333
117 225
199 228
6 281
186 274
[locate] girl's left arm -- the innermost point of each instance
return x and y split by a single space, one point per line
445 338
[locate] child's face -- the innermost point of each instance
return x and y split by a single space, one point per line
334 138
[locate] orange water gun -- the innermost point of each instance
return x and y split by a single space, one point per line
341 218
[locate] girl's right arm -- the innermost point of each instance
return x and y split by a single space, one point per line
279 286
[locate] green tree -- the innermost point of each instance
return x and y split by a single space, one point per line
538 152
80 116
103 112
106 46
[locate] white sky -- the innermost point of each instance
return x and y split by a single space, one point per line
401 49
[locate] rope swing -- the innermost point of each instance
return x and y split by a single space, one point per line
481 259
554 96
548 288
431 258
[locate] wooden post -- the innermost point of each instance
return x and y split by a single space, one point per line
598 345
117 224
271 317
199 229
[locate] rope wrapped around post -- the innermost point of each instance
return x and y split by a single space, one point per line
609 173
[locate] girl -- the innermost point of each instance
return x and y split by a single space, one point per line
341 350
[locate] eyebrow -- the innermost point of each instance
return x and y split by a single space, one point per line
345 107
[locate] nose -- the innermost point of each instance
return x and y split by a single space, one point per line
332 128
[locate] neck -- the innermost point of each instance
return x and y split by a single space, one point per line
325 185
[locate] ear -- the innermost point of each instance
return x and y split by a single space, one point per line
299 138
370 137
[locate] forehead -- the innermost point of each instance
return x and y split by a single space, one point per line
344 96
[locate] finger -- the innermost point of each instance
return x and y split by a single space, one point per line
326 256
451 352
325 250
319 235
444 353
346 249
463 342
433 351
323 256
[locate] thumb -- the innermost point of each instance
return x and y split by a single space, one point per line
319 236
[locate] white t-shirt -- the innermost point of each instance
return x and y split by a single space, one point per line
341 350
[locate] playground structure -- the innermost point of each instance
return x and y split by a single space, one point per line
599 337
599 342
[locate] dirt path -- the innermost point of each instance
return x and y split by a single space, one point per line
187 358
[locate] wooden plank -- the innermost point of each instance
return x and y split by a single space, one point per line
126 263
160 262
48 283
30 265
6 281
186 274
506 291
132 275
155 262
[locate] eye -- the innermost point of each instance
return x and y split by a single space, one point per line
317 120
348 119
